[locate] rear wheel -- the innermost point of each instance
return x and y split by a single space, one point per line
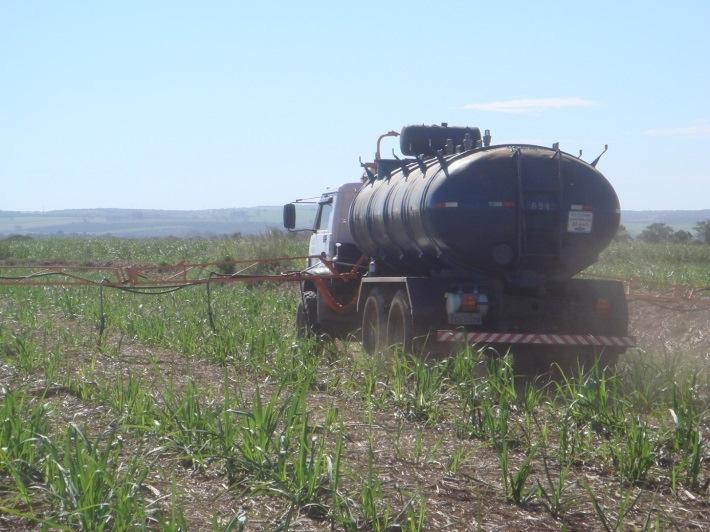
399 323
607 358
536 360
373 322
572 361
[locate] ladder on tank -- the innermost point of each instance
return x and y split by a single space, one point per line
539 210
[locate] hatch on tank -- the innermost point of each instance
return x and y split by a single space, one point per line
428 140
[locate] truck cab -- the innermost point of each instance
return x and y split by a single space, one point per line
331 230
330 239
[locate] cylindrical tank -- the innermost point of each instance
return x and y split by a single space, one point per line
506 211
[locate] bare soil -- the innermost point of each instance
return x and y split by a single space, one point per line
671 326
470 499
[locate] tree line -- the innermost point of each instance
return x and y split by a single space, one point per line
660 233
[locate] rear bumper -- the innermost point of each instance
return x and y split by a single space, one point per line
474 338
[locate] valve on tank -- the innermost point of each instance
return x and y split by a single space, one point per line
487 138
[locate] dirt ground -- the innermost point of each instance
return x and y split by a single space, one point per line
471 499
671 326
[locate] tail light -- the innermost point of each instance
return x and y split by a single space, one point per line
468 303
602 306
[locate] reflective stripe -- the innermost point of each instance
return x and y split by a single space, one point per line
532 338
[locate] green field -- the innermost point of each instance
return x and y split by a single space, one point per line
163 422
656 265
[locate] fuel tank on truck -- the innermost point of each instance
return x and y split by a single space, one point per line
506 211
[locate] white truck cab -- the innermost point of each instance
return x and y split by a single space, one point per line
331 226
332 240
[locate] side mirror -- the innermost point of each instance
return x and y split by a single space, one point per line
290 216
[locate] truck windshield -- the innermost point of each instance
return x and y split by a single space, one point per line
325 211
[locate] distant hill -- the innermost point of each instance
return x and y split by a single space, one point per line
140 223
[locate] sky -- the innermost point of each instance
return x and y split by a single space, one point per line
195 105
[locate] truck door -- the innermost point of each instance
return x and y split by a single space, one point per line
321 240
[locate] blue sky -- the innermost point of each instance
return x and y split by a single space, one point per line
186 105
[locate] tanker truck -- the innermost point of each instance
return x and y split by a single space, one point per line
460 241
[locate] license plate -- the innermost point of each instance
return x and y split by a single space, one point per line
465 318
580 222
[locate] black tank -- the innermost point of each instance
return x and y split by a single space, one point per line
506 211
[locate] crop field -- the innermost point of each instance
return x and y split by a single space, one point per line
164 422
656 266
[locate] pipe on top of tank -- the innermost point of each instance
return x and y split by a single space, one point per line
379 140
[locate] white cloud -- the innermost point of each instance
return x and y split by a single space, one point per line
700 130
531 105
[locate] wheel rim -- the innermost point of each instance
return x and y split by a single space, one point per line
395 328
370 327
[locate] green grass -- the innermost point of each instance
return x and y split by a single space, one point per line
656 265
82 481
281 429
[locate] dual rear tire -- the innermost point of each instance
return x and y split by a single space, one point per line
387 323
537 360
